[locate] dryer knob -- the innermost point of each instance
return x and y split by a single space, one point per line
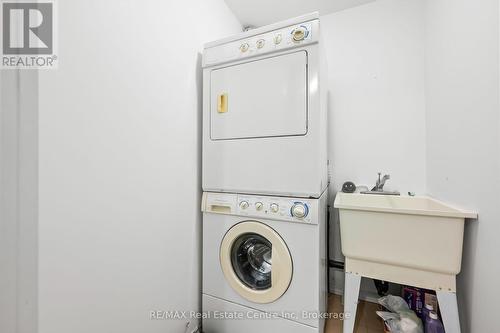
274 208
277 39
244 47
299 33
299 210
259 205
244 204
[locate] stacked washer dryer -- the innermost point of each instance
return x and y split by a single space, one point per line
264 180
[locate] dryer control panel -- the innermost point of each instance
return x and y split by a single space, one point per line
295 35
268 207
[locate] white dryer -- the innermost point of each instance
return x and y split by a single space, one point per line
265 110
264 263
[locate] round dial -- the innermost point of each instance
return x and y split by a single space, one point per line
274 208
259 205
244 47
299 33
299 210
244 204
260 43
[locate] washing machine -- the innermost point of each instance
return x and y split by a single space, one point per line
264 263
265 111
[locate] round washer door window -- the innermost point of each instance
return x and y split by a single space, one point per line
251 258
256 262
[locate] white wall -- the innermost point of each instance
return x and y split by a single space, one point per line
251 13
376 71
119 177
429 118
377 111
463 143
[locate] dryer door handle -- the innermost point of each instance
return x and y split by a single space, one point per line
222 103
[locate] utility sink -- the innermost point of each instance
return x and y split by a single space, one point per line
413 240
399 204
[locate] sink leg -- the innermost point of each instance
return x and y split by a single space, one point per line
449 311
351 294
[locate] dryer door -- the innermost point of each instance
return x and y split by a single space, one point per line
261 98
256 262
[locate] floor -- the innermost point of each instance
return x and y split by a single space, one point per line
367 320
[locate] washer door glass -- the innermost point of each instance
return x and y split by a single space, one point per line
256 262
251 260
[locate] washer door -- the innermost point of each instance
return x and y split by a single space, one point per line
256 262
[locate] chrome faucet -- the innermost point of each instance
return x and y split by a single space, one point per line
379 185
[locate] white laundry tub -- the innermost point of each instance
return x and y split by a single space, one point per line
412 240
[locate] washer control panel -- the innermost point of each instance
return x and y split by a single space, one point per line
300 210
291 36
297 210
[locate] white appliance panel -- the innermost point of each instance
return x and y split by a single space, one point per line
265 98
269 136
304 238
248 320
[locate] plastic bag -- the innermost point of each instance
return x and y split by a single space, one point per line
401 319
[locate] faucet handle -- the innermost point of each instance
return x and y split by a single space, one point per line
379 186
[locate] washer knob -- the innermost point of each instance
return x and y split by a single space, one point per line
260 43
274 208
299 210
244 204
259 205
